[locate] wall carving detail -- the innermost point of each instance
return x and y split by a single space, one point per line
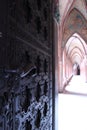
25 81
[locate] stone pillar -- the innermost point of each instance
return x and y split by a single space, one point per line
61 76
66 68
86 72
56 56
60 61
86 68
64 65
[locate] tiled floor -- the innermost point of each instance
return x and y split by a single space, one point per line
72 106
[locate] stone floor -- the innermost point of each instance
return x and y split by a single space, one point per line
72 106
77 86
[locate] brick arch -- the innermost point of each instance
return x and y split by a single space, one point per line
65 16
78 33
78 39
70 12
73 24
76 54
81 49
78 47
75 51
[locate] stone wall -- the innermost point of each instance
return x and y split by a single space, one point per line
26 73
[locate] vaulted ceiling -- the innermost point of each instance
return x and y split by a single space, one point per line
73 20
76 48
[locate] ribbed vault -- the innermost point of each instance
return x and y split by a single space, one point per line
75 23
76 48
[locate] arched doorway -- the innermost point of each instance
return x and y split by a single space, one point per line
78 70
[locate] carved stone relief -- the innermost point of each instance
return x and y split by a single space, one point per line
45 109
28 125
38 91
38 64
25 98
38 119
45 88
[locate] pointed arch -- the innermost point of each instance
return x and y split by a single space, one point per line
75 23
83 43
75 46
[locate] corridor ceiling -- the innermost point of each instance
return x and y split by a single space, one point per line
73 19
76 48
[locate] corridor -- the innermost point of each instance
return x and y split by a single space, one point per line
73 106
